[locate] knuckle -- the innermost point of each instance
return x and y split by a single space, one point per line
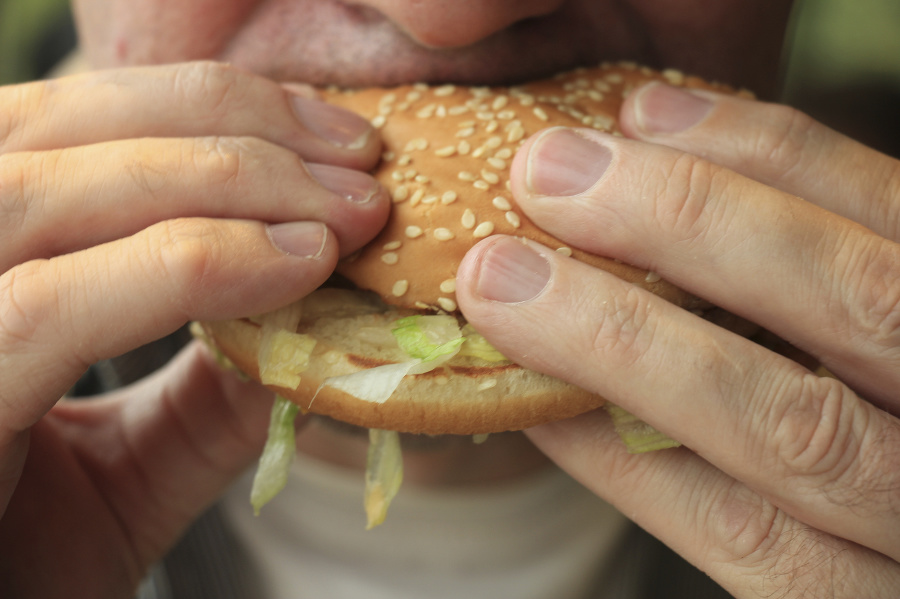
185 252
783 557
227 161
216 86
818 435
27 301
783 140
623 328
685 206
13 193
874 297
18 106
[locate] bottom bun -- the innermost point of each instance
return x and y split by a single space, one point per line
352 330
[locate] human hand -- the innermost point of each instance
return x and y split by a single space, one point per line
133 201
789 483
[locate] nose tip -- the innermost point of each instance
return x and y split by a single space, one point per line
459 23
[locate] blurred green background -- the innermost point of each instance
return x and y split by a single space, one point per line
842 64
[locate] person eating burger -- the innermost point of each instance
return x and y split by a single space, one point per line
192 172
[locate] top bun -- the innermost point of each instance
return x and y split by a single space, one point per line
446 163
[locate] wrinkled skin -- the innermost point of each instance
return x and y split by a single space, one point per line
136 199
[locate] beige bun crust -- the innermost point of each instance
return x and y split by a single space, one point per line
446 163
448 151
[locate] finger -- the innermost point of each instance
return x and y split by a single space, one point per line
776 145
806 443
64 200
186 100
751 547
58 316
820 281
157 453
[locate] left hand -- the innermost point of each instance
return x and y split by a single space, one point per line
789 483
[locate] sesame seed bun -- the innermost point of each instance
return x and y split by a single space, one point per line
446 163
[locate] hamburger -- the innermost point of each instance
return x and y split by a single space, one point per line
383 344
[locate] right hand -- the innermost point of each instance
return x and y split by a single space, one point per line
131 202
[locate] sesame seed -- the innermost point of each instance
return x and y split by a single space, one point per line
488 384
468 219
388 156
515 134
501 203
410 174
432 199
390 258
400 288
673 76
466 176
564 251
417 197
418 143
526 100
513 219
490 177
499 103
413 232
426 112
447 304
404 160
481 184
540 113
444 90
497 163
423 179
467 132
466 124
479 152
483 230
443 234
457 110
449 197
413 96
445 152
652 277
506 115
401 192
441 111
504 154
492 126
614 78
392 245
448 286
398 176
494 142
464 147
379 121
485 115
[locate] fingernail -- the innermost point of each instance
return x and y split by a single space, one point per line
512 272
304 239
563 163
661 108
339 127
354 186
